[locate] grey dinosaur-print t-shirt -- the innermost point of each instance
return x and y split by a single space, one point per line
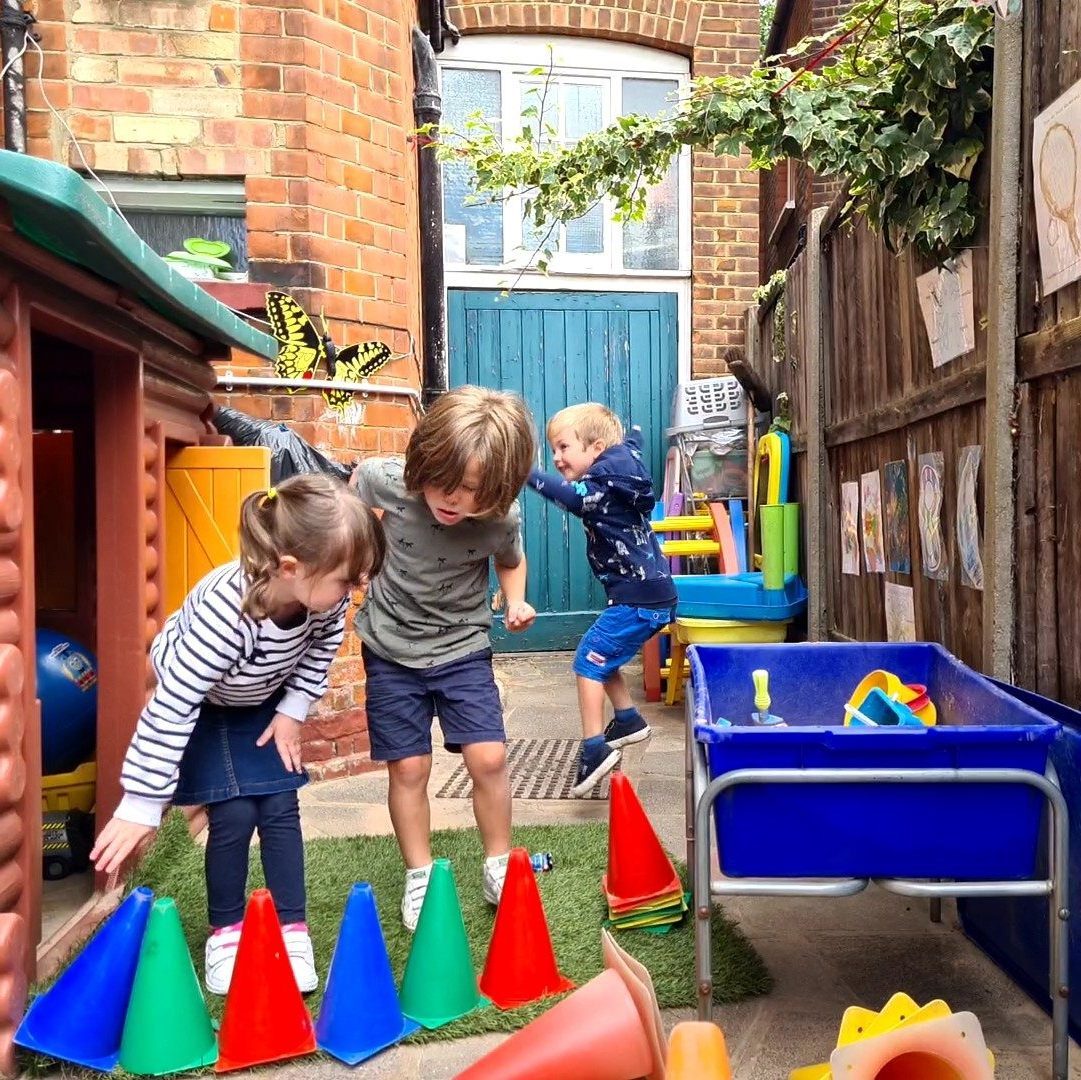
429 604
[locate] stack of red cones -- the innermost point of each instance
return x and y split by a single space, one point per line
642 886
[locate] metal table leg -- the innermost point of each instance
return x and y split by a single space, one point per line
1054 886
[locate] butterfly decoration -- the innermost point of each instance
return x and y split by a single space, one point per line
302 348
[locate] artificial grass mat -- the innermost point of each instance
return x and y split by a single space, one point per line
571 893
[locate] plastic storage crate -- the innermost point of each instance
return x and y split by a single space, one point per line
705 403
738 596
1015 932
959 832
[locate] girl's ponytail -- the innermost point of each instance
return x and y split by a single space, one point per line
317 520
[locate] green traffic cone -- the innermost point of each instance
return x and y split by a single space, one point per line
167 1028
439 984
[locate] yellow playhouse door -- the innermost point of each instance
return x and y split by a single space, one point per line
204 487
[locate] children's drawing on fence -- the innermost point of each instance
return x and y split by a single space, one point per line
929 513
948 312
850 528
1056 137
968 521
900 613
898 550
874 558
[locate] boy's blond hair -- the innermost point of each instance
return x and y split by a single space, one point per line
468 424
590 421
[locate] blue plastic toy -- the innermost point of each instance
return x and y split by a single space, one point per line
67 686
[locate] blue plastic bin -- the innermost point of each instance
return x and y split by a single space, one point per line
960 832
1015 933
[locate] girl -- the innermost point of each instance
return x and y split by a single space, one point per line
238 668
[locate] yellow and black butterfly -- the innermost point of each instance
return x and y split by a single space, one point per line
301 349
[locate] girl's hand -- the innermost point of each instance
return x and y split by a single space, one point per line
285 731
117 841
520 616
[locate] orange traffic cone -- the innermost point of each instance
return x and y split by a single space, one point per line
521 965
697 1051
606 1030
265 1018
639 869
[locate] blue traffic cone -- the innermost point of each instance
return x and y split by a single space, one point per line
81 1017
360 1014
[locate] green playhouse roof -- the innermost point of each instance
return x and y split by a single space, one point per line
54 207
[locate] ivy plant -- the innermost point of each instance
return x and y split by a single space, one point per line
896 100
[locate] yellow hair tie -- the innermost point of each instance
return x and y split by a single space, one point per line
270 496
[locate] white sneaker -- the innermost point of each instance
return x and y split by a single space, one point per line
495 873
416 887
298 944
221 949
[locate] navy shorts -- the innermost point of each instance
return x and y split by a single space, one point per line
403 701
615 638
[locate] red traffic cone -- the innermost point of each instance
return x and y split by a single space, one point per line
521 965
638 867
265 1018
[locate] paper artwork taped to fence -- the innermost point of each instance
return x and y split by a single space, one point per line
1004 8
898 549
1056 165
850 528
968 520
929 512
900 613
948 311
874 558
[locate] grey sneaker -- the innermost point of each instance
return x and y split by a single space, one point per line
495 873
416 886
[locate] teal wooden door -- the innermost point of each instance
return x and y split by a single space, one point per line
557 349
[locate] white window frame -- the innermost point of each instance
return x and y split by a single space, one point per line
588 60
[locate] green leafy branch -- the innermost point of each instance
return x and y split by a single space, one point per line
896 100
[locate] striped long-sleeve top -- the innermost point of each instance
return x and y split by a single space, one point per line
209 650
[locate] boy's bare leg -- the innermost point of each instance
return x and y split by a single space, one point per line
487 766
410 811
591 696
618 694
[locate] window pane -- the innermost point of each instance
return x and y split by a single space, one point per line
167 232
473 230
653 244
535 241
583 110
585 235
649 97
543 99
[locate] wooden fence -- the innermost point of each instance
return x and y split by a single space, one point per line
851 309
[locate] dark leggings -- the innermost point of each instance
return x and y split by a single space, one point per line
281 847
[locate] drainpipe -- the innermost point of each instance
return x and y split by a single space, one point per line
1000 508
14 26
428 109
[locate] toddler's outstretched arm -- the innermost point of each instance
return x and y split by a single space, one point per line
572 495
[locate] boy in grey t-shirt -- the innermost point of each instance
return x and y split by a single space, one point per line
448 511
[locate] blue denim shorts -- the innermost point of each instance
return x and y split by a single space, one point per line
221 760
402 702
615 638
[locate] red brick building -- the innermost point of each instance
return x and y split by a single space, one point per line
284 126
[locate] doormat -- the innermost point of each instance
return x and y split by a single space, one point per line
539 769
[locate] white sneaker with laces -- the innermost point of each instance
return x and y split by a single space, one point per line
495 873
416 887
298 944
221 949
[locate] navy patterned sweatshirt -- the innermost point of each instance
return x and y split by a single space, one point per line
614 500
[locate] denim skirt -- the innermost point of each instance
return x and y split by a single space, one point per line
221 760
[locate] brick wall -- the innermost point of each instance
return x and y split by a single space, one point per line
309 102
779 238
720 38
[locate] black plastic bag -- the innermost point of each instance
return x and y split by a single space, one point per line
289 453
